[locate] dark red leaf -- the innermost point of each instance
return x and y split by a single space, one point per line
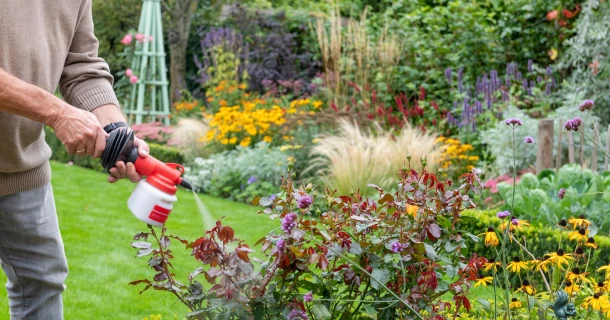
434 230
133 283
226 234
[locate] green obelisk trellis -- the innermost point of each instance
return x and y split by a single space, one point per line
149 96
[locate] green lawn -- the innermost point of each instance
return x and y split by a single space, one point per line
97 229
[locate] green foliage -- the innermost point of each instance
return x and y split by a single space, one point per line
161 152
240 174
586 58
542 238
113 19
587 193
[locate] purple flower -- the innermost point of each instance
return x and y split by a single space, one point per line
561 193
252 180
514 221
586 105
280 246
289 222
503 214
448 75
530 65
549 71
272 197
528 139
573 124
304 202
308 297
297 314
513 122
397 247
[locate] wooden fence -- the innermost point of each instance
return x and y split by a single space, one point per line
546 145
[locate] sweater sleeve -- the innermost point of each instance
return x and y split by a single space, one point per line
86 82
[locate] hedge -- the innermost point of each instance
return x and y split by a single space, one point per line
541 239
163 153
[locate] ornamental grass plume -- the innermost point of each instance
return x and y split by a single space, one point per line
350 160
187 136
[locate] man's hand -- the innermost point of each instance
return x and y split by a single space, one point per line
122 170
80 132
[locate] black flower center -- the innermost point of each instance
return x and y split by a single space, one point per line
563 222
576 271
590 240
600 284
580 250
490 229
560 252
596 296
582 231
516 259
514 299
526 283
582 216
568 283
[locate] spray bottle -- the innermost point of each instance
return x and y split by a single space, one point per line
153 198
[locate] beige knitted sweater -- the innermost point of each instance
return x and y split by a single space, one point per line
47 44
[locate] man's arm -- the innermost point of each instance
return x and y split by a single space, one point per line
78 130
86 83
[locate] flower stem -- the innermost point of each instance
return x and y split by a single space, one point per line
595 143
367 273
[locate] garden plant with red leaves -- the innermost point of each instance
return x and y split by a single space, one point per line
397 257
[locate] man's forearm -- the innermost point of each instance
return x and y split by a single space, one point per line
21 98
107 114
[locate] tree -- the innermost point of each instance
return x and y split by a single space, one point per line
180 16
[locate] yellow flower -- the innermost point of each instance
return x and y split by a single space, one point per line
591 243
287 138
242 86
317 104
291 159
538 265
491 264
316 140
233 140
473 158
222 103
284 148
596 302
224 141
412 210
245 142
515 224
483 281
580 236
579 222
559 258
577 275
440 139
491 238
516 265
267 139
571 287
515 304
527 288
605 268
553 53
601 287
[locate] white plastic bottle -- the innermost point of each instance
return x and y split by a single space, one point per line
150 204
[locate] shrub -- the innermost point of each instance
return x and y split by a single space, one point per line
239 174
189 136
351 159
153 132
396 258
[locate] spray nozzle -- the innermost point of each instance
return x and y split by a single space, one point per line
186 184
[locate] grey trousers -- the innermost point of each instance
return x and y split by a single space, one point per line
32 255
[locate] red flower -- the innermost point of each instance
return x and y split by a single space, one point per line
552 15
563 23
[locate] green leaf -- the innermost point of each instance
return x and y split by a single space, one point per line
444 222
430 252
485 304
320 311
472 237
369 310
451 271
265 201
450 246
380 277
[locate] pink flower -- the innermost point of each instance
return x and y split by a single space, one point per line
528 139
140 37
127 39
513 122
128 72
133 79
150 38
561 193
586 105
308 297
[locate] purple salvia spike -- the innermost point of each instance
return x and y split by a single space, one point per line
553 83
524 83
519 76
549 71
460 78
530 65
548 89
448 75
474 126
532 84
539 79
479 106
505 96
